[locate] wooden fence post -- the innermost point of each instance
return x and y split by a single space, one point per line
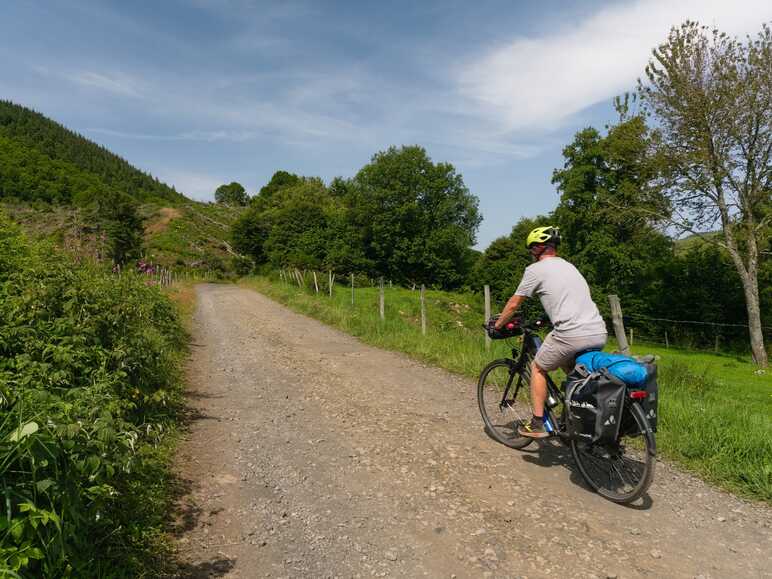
352 289
631 337
423 311
381 299
487 291
619 326
667 344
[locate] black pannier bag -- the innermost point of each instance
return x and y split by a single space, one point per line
581 403
611 401
594 404
649 404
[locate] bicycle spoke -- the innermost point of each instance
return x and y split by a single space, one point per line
622 478
623 472
503 403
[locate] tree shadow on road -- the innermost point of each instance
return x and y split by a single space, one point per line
217 567
186 512
191 414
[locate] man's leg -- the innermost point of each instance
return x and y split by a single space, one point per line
535 427
549 357
538 389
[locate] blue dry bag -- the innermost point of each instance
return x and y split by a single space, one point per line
623 367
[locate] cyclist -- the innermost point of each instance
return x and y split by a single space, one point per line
565 297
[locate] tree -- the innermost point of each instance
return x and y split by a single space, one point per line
232 194
700 283
503 262
711 97
416 218
603 185
118 216
300 224
249 233
279 180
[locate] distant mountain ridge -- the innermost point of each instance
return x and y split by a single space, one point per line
41 160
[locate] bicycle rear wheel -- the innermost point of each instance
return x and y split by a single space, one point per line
622 471
504 397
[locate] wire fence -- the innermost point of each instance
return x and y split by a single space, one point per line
691 334
668 332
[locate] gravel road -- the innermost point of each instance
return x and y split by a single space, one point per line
312 455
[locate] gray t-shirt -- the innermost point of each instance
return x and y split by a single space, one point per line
564 295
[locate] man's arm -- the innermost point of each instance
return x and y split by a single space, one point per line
509 310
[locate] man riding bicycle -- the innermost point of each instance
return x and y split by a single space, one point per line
565 297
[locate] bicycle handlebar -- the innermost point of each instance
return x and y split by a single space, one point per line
514 327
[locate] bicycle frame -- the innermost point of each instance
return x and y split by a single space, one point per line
522 361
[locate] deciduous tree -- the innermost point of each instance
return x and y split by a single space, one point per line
604 184
710 96
232 194
417 218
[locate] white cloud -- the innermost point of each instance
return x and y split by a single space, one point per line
116 83
121 84
540 82
235 136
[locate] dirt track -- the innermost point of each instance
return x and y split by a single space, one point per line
313 455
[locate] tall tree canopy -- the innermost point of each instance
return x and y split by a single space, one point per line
603 181
232 194
711 98
279 180
117 216
417 218
299 224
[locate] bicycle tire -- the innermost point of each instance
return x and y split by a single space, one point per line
600 464
503 416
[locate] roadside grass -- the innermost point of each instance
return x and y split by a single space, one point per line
183 296
715 412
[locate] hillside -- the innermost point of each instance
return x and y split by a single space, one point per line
50 176
41 160
187 236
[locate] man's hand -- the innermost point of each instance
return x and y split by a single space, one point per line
490 327
509 310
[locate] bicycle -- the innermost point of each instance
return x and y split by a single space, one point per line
620 472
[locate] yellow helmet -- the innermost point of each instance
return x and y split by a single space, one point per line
547 234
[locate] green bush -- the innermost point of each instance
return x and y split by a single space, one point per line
88 387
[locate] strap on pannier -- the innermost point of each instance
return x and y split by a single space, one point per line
611 393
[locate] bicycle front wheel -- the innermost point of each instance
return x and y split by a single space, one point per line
622 471
504 397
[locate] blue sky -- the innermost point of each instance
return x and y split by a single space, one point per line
201 92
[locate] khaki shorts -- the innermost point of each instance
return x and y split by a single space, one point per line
560 351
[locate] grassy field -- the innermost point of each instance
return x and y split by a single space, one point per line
715 410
